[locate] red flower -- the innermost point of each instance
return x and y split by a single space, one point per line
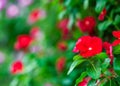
108 48
88 46
23 42
87 24
102 14
117 35
17 67
35 15
63 26
62 46
60 64
84 81
34 32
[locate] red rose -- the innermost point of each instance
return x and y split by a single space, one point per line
60 64
17 67
87 24
23 42
63 26
116 34
88 46
108 48
84 81
62 46
102 14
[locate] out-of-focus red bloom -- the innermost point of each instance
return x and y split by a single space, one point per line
102 14
34 32
60 64
108 48
87 24
17 67
116 34
35 15
88 46
23 42
84 81
62 46
63 26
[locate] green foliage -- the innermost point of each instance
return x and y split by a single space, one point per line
116 65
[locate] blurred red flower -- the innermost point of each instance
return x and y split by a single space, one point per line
116 34
17 67
23 42
34 31
35 15
87 24
102 14
60 64
63 26
108 48
62 46
84 81
88 46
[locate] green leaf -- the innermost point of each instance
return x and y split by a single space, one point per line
111 82
100 4
116 49
116 65
117 19
74 64
62 14
92 83
81 77
71 21
106 63
94 71
102 55
77 57
86 4
104 25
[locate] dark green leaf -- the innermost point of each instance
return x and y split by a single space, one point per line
74 64
116 65
106 63
81 77
104 25
100 4
91 83
117 19
116 49
94 70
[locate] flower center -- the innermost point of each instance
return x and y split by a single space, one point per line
90 48
87 22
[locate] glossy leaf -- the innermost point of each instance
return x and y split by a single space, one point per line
100 4
77 57
74 64
86 4
106 63
117 19
94 71
92 83
104 25
116 65
81 77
